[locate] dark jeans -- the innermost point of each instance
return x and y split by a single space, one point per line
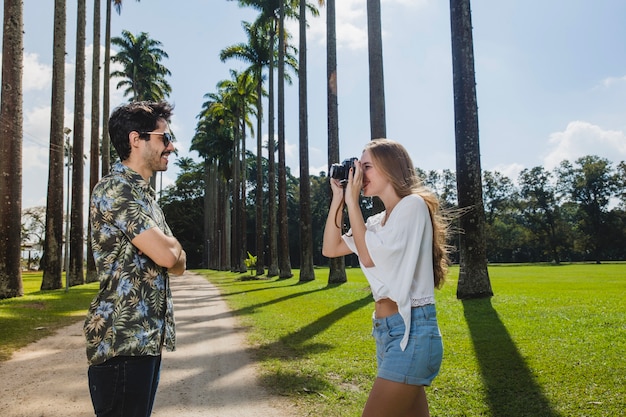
124 386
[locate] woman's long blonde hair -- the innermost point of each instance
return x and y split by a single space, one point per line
393 161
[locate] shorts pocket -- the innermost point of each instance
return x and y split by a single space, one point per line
103 386
435 356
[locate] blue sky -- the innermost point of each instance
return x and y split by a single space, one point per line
551 78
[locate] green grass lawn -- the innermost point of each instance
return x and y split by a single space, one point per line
550 343
39 313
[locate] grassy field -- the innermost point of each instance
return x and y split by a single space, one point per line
39 313
550 343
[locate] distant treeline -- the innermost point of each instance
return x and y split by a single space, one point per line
576 212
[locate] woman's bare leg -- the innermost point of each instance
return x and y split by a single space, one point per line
389 398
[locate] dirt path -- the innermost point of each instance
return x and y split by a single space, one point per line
211 372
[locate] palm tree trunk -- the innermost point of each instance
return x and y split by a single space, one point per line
284 263
337 272
243 234
473 275
306 227
234 253
94 150
377 82
271 175
11 132
52 252
76 274
260 267
106 141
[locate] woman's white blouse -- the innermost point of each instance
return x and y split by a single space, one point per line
401 250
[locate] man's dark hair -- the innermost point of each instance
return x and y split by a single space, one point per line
138 116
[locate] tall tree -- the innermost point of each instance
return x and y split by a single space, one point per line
11 133
270 12
590 184
541 209
142 74
106 100
306 233
75 269
337 271
52 252
239 94
473 275
378 124
257 53
94 149
284 262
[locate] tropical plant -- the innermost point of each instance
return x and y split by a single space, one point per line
213 141
106 141
11 133
257 52
239 97
142 74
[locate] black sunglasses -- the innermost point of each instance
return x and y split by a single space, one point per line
167 137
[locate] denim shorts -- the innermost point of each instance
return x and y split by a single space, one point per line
419 363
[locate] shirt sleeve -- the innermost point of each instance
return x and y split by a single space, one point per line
127 212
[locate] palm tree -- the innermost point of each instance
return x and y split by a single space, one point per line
75 268
94 160
306 233
473 275
284 263
337 271
106 141
257 53
11 133
239 94
213 140
269 14
142 73
52 251
377 79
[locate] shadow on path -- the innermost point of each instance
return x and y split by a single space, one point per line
512 391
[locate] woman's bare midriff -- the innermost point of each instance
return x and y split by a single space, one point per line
385 308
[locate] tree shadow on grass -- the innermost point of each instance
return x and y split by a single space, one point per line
296 344
511 389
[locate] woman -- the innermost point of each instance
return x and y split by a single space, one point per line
402 252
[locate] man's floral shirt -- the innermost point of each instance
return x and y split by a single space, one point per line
132 314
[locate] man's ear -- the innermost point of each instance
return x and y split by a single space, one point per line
133 138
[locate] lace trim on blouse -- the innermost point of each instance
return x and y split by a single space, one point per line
420 302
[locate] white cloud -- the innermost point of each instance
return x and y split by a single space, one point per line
609 81
37 76
582 138
351 22
510 171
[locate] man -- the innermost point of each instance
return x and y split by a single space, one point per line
131 318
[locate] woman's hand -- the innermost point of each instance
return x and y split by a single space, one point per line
354 185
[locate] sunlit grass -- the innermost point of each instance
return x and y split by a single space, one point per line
39 313
549 343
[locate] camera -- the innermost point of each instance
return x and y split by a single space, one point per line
340 171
